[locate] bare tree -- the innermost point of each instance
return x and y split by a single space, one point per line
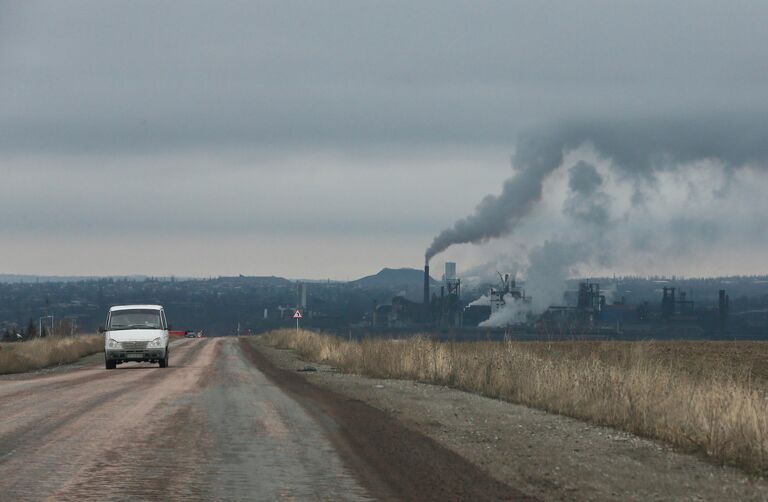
31 331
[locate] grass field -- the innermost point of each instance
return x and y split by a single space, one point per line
50 351
706 397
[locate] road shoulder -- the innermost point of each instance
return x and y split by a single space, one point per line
543 455
392 461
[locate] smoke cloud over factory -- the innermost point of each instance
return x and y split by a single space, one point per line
634 155
635 150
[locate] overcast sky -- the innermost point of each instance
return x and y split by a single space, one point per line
330 139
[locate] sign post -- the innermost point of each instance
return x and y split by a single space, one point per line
297 315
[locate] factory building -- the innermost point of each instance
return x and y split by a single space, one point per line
443 308
502 306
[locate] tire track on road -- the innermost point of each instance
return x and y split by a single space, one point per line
392 461
261 444
48 453
46 408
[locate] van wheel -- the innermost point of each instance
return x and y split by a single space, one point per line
164 361
111 365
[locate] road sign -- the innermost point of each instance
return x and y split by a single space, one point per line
297 315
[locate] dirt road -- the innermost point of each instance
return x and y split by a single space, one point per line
213 426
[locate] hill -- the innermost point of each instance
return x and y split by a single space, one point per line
389 278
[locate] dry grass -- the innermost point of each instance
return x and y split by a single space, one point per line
50 351
694 395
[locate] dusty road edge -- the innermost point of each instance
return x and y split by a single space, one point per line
390 460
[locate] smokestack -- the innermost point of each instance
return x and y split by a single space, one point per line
426 284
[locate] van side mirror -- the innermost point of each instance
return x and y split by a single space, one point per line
170 327
102 330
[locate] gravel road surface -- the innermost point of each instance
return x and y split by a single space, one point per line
213 426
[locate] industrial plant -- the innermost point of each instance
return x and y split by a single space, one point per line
626 308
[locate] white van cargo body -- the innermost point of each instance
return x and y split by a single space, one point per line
136 333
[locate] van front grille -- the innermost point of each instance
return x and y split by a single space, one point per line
134 345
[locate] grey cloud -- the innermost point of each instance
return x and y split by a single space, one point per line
688 232
591 210
131 80
640 147
93 76
584 178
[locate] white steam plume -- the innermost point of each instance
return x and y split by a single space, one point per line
513 312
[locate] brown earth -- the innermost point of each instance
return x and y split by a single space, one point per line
547 456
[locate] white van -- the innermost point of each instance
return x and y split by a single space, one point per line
135 333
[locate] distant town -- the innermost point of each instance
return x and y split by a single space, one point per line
397 300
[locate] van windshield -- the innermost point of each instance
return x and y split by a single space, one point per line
134 319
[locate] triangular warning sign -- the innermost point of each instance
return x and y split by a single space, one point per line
297 315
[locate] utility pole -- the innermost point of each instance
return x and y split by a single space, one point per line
40 325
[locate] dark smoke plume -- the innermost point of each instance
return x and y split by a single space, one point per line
637 150
497 215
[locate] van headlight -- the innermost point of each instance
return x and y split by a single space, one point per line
155 344
114 344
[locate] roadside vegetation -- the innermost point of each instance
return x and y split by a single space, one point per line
30 355
710 398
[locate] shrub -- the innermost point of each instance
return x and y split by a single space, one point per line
49 351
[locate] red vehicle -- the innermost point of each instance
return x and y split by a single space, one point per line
185 334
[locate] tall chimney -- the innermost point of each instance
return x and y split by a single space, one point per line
426 284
